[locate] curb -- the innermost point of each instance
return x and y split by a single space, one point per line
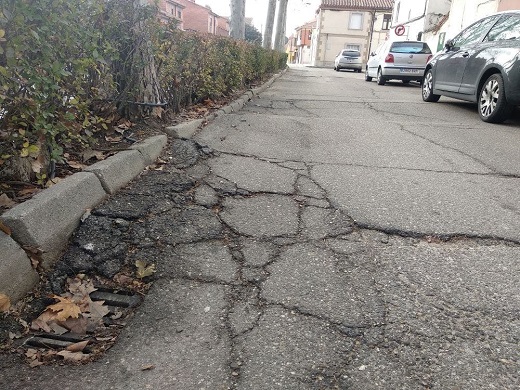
187 130
46 222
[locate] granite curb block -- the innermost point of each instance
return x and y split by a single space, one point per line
47 221
187 130
17 276
118 170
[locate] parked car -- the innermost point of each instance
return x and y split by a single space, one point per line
482 65
348 59
398 60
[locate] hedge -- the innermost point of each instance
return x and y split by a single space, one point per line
67 69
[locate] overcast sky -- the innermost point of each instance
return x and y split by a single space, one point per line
299 11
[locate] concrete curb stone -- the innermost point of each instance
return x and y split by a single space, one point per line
47 220
116 171
17 274
187 130
151 147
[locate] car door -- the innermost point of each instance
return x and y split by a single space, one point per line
450 65
499 46
374 61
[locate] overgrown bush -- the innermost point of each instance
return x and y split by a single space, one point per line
67 69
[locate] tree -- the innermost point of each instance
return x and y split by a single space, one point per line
237 21
279 40
269 24
253 35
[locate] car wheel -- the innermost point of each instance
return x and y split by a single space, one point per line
336 69
492 104
427 88
367 77
380 78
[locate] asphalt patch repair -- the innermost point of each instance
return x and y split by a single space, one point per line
80 306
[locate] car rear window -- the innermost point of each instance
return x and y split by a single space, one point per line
410 48
350 53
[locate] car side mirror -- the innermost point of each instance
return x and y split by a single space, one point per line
449 45
372 54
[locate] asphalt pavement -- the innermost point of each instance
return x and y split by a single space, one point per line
332 234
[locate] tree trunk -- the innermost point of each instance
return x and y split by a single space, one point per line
279 41
148 95
237 21
269 24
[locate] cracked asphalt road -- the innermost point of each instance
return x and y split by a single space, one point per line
340 235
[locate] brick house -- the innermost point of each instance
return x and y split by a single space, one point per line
303 45
193 17
349 24
171 9
202 19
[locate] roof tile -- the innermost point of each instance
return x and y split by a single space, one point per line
357 4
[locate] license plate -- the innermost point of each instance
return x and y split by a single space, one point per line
414 71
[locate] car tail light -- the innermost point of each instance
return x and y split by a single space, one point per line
389 58
429 58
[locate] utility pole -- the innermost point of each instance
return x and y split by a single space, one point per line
237 21
269 24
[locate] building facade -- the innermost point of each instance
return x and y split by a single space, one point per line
303 43
349 24
193 17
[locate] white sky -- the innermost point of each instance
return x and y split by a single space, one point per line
299 11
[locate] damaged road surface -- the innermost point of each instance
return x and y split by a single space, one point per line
355 239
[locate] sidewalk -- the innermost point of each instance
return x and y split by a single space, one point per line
264 281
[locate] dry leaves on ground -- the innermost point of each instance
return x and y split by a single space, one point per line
144 269
5 303
75 311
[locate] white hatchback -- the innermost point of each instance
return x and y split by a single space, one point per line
398 60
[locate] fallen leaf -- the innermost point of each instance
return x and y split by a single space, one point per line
75 164
5 303
74 357
57 329
65 308
5 229
16 335
6 202
42 325
35 363
113 139
89 153
143 269
97 310
147 367
77 347
36 166
52 182
76 325
28 191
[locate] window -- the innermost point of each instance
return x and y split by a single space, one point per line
410 48
508 28
350 53
474 33
351 47
179 14
387 19
356 21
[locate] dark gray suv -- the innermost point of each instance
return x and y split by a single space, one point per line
481 64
